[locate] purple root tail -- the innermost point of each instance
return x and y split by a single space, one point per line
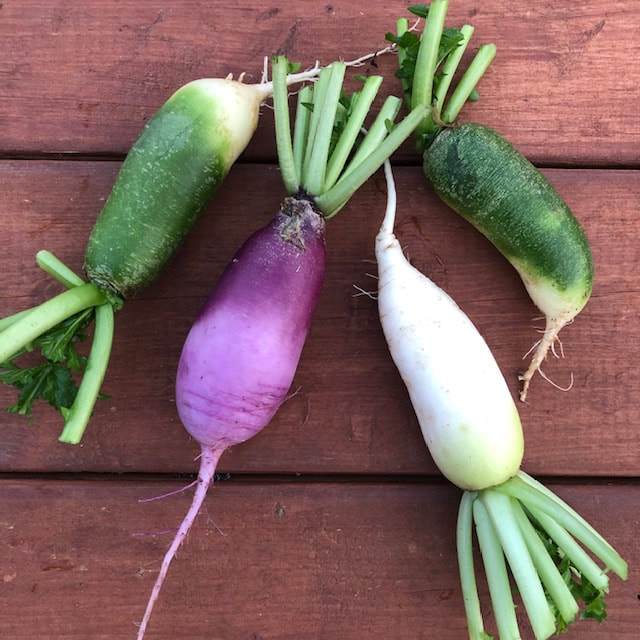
208 463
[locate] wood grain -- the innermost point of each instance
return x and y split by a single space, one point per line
351 413
84 77
277 561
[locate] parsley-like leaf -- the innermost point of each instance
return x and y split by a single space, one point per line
595 605
58 344
420 10
581 589
50 381
409 42
449 42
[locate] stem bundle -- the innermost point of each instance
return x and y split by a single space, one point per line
326 136
526 524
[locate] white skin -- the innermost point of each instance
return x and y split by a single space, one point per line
467 415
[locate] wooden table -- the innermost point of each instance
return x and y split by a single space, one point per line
333 522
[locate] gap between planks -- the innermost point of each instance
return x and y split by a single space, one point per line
46 156
296 478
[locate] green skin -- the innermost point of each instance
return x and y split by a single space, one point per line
493 186
172 170
168 176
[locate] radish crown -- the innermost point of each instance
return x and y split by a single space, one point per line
316 164
428 63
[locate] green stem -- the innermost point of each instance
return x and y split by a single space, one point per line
449 68
578 556
546 568
540 615
330 201
5 323
495 569
486 53
46 316
427 60
534 498
351 130
402 26
377 133
78 416
532 482
283 126
315 170
301 127
319 91
57 269
464 544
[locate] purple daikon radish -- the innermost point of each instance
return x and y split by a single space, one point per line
239 359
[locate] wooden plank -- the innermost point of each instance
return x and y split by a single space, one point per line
563 88
278 561
351 413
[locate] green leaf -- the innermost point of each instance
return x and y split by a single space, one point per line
293 67
420 10
58 344
595 605
593 600
50 382
409 42
52 379
389 125
449 42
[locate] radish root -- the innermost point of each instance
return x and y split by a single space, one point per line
373 295
542 347
555 384
168 495
208 463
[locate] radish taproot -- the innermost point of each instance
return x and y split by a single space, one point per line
472 429
180 159
241 354
486 180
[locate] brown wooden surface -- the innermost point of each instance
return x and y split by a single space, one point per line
84 77
351 413
277 561
348 550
